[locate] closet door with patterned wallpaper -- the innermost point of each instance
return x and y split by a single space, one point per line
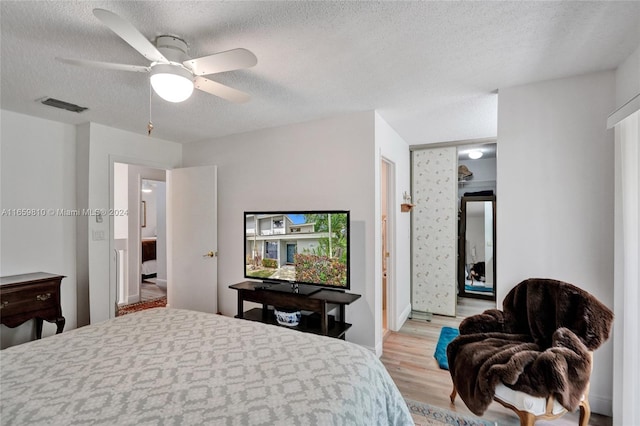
434 230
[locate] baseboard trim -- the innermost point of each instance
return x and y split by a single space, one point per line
404 316
601 405
378 349
421 315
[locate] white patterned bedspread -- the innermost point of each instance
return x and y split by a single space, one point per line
178 367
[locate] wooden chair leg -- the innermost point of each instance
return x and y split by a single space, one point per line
526 418
452 397
585 412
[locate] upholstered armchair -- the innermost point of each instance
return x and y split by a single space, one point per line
534 356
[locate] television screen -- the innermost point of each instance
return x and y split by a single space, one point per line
304 247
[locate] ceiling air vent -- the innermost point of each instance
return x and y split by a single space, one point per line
63 105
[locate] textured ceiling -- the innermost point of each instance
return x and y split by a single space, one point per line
431 69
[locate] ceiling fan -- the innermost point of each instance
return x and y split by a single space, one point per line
173 74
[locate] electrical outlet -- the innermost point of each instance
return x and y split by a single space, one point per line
97 235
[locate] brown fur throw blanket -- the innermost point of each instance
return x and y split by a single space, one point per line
539 344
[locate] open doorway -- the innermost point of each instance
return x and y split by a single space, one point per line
386 176
191 235
139 239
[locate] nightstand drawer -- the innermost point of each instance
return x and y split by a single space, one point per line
37 298
31 296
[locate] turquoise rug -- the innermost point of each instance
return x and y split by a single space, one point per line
428 415
447 334
478 288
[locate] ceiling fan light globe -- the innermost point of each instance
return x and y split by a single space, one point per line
172 83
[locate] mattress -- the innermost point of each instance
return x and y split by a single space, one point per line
170 366
149 267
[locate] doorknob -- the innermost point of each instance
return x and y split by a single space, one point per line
211 254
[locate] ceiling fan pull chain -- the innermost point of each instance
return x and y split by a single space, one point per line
150 125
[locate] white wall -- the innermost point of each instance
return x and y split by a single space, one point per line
323 164
394 149
38 159
628 78
121 228
82 222
161 242
106 146
475 234
150 199
488 243
555 175
626 324
120 200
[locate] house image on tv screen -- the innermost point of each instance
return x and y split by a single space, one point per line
307 248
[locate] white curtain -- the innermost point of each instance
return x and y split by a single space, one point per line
627 272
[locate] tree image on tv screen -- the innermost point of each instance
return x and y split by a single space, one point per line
335 225
326 264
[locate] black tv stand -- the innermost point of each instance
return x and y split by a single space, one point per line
318 322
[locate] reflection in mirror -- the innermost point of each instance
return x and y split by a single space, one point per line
476 248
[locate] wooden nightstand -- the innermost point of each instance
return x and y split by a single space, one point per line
31 296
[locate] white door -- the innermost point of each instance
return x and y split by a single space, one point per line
192 239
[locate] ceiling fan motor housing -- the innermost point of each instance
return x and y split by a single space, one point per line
173 48
172 81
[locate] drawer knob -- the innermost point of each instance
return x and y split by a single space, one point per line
43 297
3 304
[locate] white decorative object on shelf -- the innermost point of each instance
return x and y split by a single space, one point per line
288 317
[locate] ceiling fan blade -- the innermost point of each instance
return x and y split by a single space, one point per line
105 65
220 90
130 34
220 62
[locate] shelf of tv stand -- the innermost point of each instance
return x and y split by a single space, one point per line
309 323
319 322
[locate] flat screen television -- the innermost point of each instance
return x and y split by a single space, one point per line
301 251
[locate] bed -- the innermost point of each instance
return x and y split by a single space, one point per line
149 263
171 366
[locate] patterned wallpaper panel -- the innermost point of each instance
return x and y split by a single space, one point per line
434 230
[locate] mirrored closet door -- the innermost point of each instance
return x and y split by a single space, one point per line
476 247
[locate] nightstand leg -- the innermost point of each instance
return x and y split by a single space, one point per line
60 322
38 328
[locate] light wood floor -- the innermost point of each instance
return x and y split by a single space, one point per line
150 291
468 306
408 356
